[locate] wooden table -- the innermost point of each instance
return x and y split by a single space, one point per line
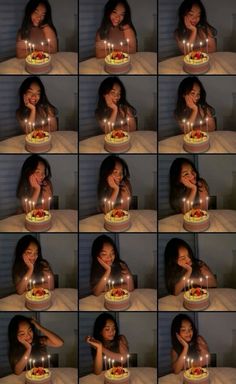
63 299
140 375
62 142
142 220
220 142
143 63
221 220
217 376
220 63
59 376
63 63
221 299
141 142
64 220
142 299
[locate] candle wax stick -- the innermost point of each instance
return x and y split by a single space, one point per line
128 356
184 42
49 356
49 46
127 46
184 282
105 362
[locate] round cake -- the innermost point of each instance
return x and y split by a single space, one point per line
117 220
196 299
117 299
196 141
38 220
38 62
196 220
38 141
196 375
38 299
117 375
117 141
38 375
117 63
196 62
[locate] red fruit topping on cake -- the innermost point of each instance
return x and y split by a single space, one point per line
38 213
38 292
38 55
196 291
117 55
197 212
119 134
39 134
196 55
198 134
39 371
117 371
118 292
197 371
118 213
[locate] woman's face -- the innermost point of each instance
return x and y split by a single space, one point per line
115 93
117 15
33 93
109 331
183 257
186 331
194 15
40 172
117 173
187 173
195 93
31 252
107 254
25 332
38 15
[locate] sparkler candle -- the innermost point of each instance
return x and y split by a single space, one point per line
105 362
207 277
184 42
49 357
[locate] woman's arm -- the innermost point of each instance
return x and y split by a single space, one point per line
100 47
206 271
101 285
126 275
52 340
97 363
178 360
21 363
51 39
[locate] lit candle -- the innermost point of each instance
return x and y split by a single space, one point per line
184 123
128 199
33 283
127 45
112 47
113 284
192 283
200 360
121 124
207 45
105 283
43 204
49 46
188 203
42 124
105 200
30 47
49 124
207 202
34 363
128 356
33 126
200 124
30 205
109 46
49 202
207 277
121 360
128 278
112 205
188 365
33 46
105 122
188 281
30 361
30 284
26 362
121 201
109 205
188 124
121 45
191 47
200 203
201 282
121 281
188 50
191 126
192 363
184 199
185 363
30 126
207 360
127 124
109 284
43 362
26 208
109 361
109 126
184 278
200 45
105 47
42 280
105 362
26 47
49 279
112 126
42 45
26 126
33 203
49 356
207 124
184 42
113 361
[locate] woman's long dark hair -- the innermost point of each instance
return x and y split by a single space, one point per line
185 87
102 110
97 270
30 165
19 268
106 169
43 104
17 349
177 189
182 32
175 328
106 23
173 271
99 324
27 23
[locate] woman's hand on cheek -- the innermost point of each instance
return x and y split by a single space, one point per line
34 182
181 340
28 262
24 342
112 183
103 264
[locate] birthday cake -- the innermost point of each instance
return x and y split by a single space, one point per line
196 375
38 141
38 220
117 375
196 299
196 62
38 375
117 299
117 141
38 299
117 220
38 62
196 220
117 62
196 141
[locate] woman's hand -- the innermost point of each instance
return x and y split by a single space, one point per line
190 102
188 183
28 262
112 183
187 267
35 323
28 103
182 341
103 264
110 103
34 182
93 342
27 345
188 24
